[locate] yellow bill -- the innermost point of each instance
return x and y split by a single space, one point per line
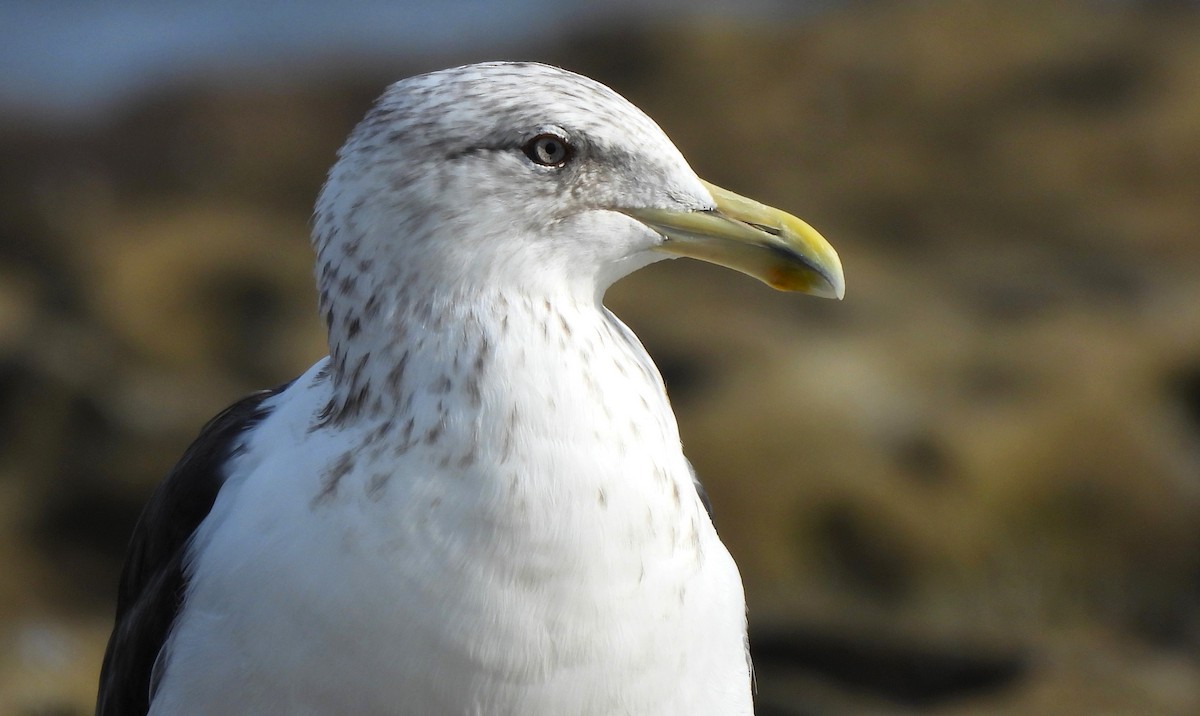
771 245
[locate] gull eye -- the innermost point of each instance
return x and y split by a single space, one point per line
549 150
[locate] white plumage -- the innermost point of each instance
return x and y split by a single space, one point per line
478 504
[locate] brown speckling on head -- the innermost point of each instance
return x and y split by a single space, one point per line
405 441
321 418
332 477
371 307
660 474
483 354
376 410
379 433
338 413
506 443
468 458
423 313
474 394
376 485
592 386
395 376
356 375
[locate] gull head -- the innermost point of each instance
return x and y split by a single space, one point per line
526 176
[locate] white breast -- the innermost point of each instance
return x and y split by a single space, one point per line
566 567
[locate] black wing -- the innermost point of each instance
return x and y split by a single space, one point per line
152 582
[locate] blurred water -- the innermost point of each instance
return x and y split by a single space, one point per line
64 60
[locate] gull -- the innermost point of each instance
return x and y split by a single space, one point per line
477 503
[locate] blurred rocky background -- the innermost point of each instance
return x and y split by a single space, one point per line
973 487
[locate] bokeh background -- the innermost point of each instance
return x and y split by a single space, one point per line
973 487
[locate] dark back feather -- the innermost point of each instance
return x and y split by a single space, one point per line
152 581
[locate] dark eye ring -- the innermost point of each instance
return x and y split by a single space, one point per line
549 150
